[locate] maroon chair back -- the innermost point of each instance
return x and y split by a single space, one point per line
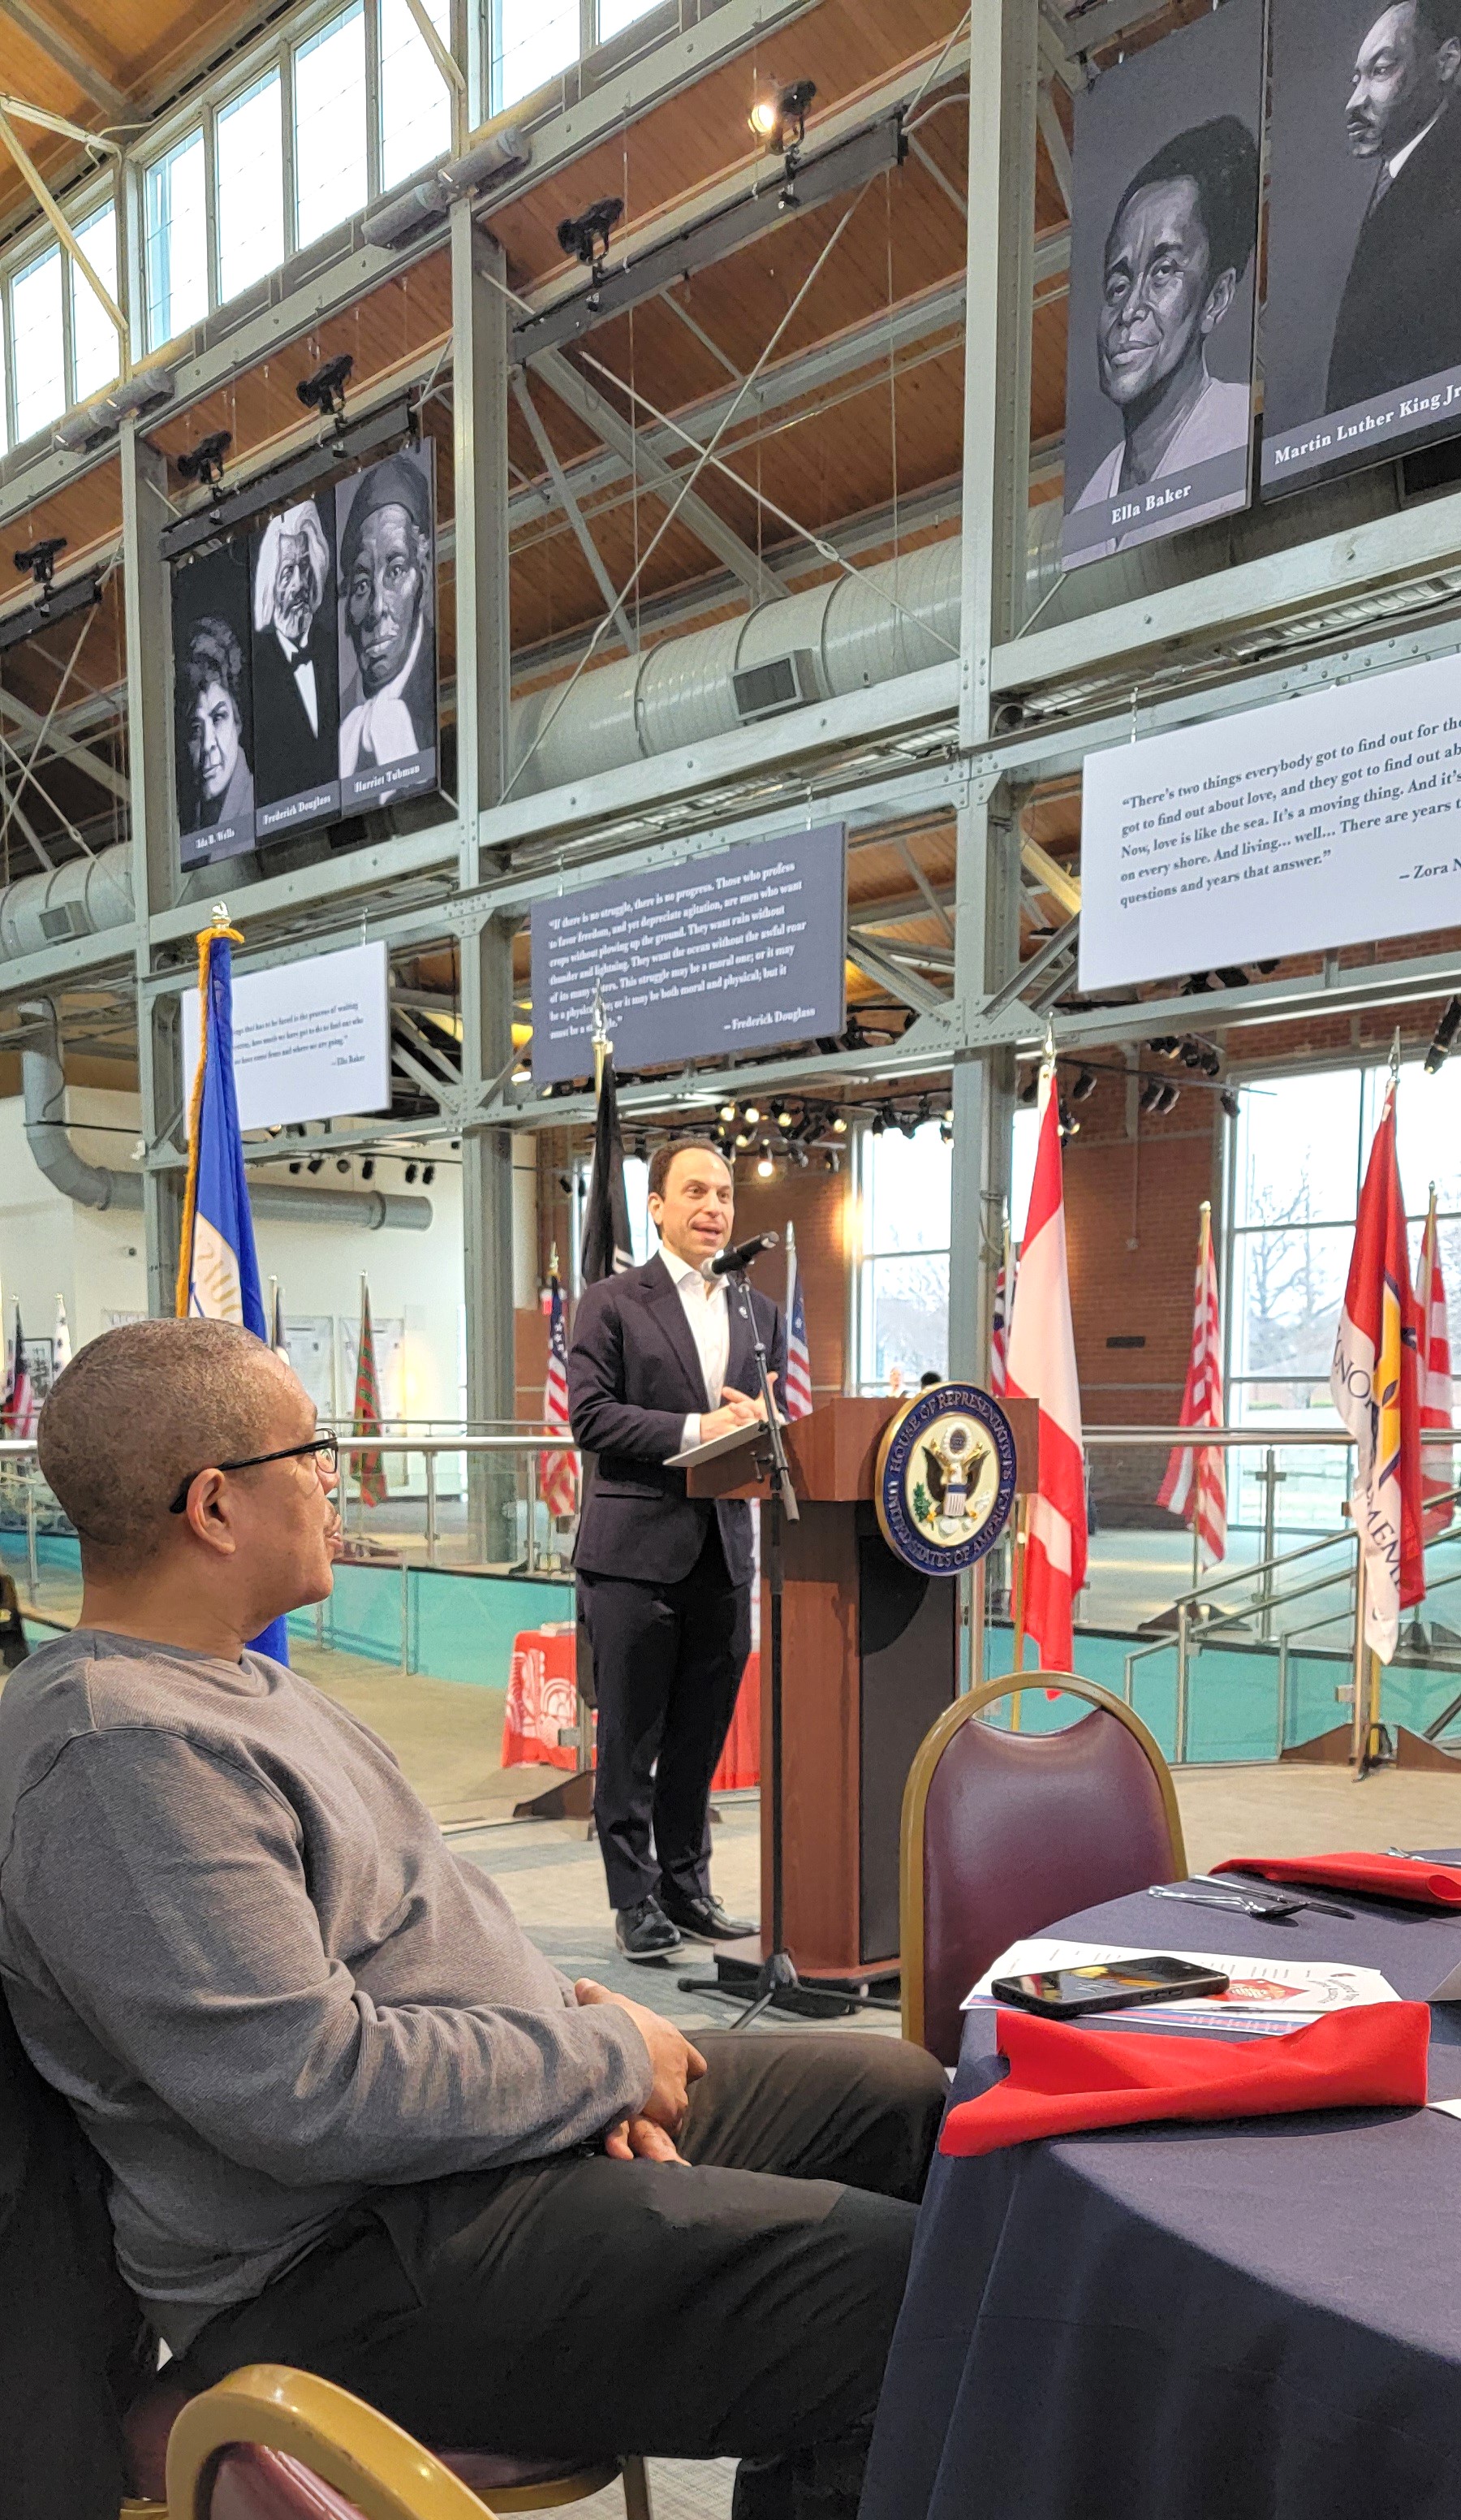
254 2483
1004 1833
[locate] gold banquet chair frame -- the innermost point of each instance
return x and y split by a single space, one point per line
349 2446
926 1763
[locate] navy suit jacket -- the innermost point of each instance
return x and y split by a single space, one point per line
633 1378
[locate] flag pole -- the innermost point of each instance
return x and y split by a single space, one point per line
1204 1239
602 1042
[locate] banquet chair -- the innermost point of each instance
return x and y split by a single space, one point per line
269 2443
1004 1833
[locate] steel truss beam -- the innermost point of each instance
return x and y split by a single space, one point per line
69 56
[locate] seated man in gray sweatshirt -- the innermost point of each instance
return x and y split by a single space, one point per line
353 2119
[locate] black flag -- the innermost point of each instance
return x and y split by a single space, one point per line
607 1245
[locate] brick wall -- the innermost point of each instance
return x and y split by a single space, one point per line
816 1204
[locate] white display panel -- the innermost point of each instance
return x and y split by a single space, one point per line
1327 821
311 1038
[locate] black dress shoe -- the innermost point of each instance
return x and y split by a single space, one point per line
645 1933
705 1920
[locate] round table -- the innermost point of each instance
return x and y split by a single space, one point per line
1250 2320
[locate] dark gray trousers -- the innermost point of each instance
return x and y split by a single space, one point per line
579 2307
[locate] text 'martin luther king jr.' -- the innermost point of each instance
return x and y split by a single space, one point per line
1400 317
1177 250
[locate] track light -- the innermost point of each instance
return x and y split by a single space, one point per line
316 1164
1168 1096
205 461
296 1166
1084 1085
1442 1037
728 1112
1028 1092
38 561
834 1159
752 1115
1230 1101
1166 1045
765 1167
367 1169
799 1157
785 1119
879 1123
325 390
1069 1125
1151 1094
428 1175
641 1149
741 1137
839 1125
910 1123
343 1163
587 239
946 1132
411 1171
949 1117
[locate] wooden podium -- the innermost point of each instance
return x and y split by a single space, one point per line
869 1658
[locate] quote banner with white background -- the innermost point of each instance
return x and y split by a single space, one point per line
1330 820
311 1038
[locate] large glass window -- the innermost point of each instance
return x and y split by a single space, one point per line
93 343
904 1325
250 153
416 111
332 162
1299 1152
175 241
39 344
532 42
615 14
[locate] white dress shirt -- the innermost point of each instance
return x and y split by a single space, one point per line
707 1310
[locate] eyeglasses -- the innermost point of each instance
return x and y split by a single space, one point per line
327 1446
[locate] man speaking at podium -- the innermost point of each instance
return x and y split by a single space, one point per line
663 1359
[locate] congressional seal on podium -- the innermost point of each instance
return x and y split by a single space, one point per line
945 1479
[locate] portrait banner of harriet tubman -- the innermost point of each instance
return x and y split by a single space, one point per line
1164 227
386 523
1362 326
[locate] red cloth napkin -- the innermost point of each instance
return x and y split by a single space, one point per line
1391 1876
1064 2077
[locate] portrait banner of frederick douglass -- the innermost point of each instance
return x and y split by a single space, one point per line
1163 229
385 523
295 667
1362 326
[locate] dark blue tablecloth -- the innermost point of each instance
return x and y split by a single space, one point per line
1256 2321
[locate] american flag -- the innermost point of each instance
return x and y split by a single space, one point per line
21 1411
1000 1330
1438 1473
796 1398
1196 1482
559 1478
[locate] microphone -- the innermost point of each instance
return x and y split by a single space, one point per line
739 1256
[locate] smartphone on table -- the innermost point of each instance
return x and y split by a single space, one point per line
1108 1986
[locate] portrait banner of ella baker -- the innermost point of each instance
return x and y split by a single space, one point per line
1163 231
1363 327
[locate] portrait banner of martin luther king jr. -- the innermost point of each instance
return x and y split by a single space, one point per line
386 530
1363 327
1159 373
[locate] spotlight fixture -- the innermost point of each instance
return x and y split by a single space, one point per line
1151 1094
778 118
1166 1045
38 561
879 1123
839 1125
946 1132
765 1167
325 390
205 461
798 1156
548 1091
428 1175
316 1164
728 1112
1230 1101
1028 1092
949 1116
1442 1037
910 1123
834 1159
296 1166
367 1169
343 1163
751 1115
411 1171
641 1149
1084 1085
587 239
1170 1095
1069 1125
785 1119
741 1137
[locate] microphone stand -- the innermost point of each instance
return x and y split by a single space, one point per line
776 1975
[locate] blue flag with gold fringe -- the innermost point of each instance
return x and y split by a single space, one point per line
218 1270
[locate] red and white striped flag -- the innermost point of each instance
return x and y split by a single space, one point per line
1196 1482
1437 1468
1374 1380
1042 1367
21 1411
796 1398
1000 1328
558 1480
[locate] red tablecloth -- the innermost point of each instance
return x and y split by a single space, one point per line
543 1701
